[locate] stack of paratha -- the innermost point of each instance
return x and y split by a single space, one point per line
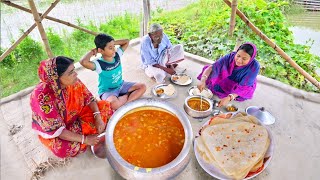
236 146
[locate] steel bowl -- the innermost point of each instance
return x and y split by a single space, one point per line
99 150
129 171
195 113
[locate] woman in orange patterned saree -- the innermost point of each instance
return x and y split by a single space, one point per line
65 114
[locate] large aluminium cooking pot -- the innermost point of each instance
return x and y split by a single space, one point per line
129 171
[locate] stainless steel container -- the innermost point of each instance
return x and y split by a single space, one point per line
129 171
99 150
265 117
195 113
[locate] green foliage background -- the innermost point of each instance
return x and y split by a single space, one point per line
201 27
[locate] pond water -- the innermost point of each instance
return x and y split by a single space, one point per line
14 21
306 27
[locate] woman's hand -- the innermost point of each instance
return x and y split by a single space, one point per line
91 140
100 125
224 101
201 85
170 71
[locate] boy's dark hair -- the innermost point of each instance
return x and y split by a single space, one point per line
247 48
63 63
101 40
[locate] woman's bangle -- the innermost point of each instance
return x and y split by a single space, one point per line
231 97
96 113
82 139
205 76
94 116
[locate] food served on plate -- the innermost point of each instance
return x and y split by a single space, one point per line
236 146
180 79
159 91
231 108
175 78
196 104
149 137
169 90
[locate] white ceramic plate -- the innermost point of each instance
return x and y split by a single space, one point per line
175 79
163 95
215 172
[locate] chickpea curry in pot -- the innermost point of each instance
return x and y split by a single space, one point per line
149 138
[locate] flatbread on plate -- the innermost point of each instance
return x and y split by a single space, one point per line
235 146
169 90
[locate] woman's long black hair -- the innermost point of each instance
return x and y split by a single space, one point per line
247 48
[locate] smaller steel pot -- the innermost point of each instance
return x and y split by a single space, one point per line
100 150
198 114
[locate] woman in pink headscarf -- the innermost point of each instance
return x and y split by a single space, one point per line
65 115
232 77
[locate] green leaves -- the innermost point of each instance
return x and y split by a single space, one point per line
203 29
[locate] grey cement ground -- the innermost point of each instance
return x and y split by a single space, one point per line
296 131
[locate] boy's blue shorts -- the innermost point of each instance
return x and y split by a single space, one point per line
124 89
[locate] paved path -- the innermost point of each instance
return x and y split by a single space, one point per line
296 131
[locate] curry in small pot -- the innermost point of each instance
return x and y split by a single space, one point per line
197 106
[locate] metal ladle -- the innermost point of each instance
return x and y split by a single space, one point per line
200 102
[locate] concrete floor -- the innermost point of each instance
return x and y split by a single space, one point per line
296 131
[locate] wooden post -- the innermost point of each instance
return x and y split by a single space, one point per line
15 44
149 14
146 18
238 44
50 18
233 17
275 47
40 27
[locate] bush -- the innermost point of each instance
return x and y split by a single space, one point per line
203 30
126 26
55 41
29 50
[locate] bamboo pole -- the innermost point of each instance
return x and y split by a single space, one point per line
50 18
275 47
148 6
40 28
146 17
25 34
233 17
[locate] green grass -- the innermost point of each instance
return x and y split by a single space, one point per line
19 70
19 77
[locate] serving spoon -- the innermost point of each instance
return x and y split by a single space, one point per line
200 102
